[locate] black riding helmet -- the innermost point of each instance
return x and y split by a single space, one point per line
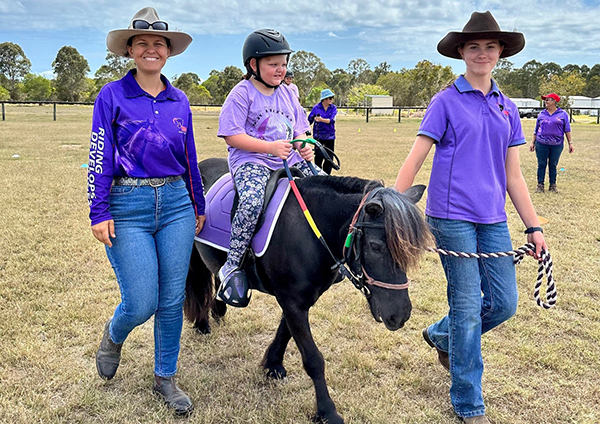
262 43
289 73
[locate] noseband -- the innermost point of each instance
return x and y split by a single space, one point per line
353 249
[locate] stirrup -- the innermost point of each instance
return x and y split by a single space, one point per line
234 289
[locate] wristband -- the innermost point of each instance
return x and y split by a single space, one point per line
533 230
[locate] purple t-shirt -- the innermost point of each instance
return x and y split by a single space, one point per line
323 131
551 129
275 117
472 132
137 135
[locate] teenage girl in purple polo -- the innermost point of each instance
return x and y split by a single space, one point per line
258 120
145 196
476 130
551 127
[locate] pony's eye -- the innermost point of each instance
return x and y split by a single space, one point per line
375 246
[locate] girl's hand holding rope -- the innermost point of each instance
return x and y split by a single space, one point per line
537 238
306 152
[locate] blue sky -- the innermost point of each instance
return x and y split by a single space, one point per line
401 32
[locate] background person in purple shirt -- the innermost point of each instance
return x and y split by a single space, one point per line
549 139
289 81
475 129
146 198
258 120
323 116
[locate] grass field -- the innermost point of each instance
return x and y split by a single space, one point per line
57 289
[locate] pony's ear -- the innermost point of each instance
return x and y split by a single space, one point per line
374 208
415 193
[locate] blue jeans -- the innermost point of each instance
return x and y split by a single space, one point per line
547 156
470 313
154 230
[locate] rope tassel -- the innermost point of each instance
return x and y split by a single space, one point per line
545 267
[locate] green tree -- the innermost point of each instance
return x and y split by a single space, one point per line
4 94
186 81
14 65
382 69
340 83
309 72
359 92
401 87
199 95
70 69
116 67
220 83
36 87
565 85
592 87
314 96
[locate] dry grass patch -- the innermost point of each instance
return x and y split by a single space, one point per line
57 289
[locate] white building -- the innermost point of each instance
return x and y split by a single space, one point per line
381 101
523 102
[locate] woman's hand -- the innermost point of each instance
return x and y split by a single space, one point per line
571 148
281 148
537 238
200 223
104 231
532 147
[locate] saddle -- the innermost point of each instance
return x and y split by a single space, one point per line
221 204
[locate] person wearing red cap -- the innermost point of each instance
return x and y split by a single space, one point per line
549 138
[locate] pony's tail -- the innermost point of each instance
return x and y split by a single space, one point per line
199 297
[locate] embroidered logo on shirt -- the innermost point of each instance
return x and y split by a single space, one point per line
179 123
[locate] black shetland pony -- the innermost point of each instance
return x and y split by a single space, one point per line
297 269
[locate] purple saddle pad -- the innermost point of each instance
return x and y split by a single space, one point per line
217 226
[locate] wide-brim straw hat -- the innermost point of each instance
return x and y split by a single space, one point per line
116 40
481 26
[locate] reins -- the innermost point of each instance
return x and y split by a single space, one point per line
359 280
545 266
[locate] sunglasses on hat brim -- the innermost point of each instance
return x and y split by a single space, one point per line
156 25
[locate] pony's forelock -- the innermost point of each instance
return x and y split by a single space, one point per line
406 231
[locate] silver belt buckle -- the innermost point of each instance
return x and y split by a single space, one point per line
157 182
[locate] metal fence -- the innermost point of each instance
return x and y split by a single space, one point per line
367 111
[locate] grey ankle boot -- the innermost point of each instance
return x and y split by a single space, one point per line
108 355
173 396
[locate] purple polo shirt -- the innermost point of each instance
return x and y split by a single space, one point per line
137 135
472 132
276 117
551 129
323 131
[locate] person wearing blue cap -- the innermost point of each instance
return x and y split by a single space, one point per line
323 116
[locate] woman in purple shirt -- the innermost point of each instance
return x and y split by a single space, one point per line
475 129
146 198
552 125
323 115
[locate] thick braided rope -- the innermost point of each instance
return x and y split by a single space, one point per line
545 266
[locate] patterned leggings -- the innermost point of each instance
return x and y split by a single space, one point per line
251 181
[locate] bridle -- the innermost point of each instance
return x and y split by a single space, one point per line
352 252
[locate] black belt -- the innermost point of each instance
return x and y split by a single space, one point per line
153 182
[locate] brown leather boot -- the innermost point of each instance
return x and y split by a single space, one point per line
540 188
108 355
442 356
172 395
553 188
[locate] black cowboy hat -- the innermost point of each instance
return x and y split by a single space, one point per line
481 26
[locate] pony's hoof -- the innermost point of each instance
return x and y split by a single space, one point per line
276 373
202 327
334 418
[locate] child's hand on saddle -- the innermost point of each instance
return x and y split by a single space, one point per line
281 148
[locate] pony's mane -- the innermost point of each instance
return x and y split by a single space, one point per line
342 185
406 231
